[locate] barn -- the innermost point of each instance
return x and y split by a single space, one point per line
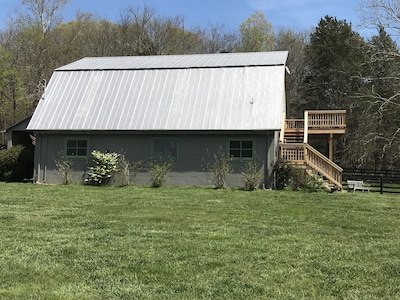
181 108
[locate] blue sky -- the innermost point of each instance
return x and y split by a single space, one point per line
295 14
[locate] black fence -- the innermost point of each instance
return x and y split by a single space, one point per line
382 181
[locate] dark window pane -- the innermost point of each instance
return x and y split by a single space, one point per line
234 144
234 153
70 152
82 152
247 153
71 143
82 143
247 144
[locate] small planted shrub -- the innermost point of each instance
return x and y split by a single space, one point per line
315 182
64 166
159 173
298 179
128 169
253 175
16 164
282 174
219 166
106 165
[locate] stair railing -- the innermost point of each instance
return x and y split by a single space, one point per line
304 154
324 165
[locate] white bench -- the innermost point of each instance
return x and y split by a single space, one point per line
354 185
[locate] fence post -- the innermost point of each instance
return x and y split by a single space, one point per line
381 185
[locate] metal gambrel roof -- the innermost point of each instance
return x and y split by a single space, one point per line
240 91
178 61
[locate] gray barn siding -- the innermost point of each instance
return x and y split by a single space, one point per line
187 170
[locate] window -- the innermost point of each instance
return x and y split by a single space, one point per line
241 149
165 149
77 147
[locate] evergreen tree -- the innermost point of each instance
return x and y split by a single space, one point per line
335 58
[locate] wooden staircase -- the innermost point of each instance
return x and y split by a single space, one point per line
295 149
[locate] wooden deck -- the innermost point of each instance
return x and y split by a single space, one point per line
294 147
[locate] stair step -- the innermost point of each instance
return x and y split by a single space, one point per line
293 137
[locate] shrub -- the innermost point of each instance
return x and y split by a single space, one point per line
128 168
298 179
282 173
219 166
315 182
158 173
16 164
106 164
64 166
253 175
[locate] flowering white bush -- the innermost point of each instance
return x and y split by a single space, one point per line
106 164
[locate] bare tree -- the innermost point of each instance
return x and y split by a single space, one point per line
382 142
216 39
29 39
46 13
295 43
134 37
381 12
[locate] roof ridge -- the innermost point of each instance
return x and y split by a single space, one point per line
189 61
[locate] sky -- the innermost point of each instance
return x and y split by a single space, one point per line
295 14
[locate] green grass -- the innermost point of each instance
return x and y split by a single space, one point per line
83 242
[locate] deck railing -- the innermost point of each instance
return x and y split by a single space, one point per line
293 152
304 154
314 122
326 119
294 124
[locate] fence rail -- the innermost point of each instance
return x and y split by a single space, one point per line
383 181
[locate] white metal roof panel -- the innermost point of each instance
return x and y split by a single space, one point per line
248 97
178 61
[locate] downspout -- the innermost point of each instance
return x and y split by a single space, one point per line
36 161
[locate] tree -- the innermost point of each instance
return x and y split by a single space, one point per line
142 32
384 66
86 36
215 39
44 13
335 60
30 40
11 103
380 117
295 43
256 34
385 13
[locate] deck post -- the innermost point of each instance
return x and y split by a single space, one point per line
305 139
283 127
331 146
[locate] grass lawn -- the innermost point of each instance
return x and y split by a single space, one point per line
83 242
